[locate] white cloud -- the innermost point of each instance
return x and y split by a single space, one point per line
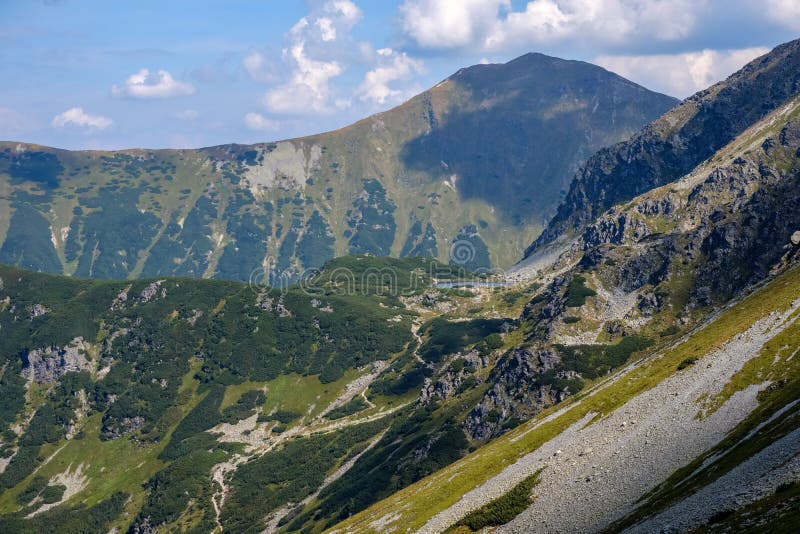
347 9
392 66
448 24
327 29
680 75
146 85
187 115
784 12
492 25
309 88
78 117
257 121
311 60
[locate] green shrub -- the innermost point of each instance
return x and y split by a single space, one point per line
503 509
577 292
669 331
355 405
688 362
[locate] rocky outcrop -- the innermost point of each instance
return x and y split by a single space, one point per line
677 142
47 365
450 382
520 389
616 229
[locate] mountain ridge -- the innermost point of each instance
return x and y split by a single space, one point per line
673 144
413 179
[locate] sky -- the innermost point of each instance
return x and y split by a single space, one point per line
94 74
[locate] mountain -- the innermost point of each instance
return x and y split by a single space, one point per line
675 143
674 315
480 158
644 379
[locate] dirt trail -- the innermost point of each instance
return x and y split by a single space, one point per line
260 440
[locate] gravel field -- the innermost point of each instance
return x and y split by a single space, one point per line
754 479
595 474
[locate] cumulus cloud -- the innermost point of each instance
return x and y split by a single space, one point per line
311 62
680 75
147 85
784 12
309 88
78 117
257 121
493 25
447 24
392 67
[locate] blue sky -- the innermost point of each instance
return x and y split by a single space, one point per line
99 74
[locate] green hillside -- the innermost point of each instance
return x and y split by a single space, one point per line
481 157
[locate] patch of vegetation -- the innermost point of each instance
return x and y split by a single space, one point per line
593 361
445 337
287 475
372 221
73 520
355 405
470 251
577 292
688 362
316 246
114 233
245 407
572 319
42 168
669 331
418 244
27 243
502 509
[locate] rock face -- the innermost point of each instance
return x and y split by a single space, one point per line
677 142
519 391
47 365
450 381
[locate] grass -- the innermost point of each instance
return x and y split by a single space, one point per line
234 392
414 505
110 466
502 509
304 394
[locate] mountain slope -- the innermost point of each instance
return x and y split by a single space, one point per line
677 142
480 158
711 397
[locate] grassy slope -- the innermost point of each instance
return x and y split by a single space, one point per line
417 503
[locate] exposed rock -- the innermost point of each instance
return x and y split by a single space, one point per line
448 383
121 299
790 134
49 364
518 391
615 229
37 310
196 314
126 425
151 290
